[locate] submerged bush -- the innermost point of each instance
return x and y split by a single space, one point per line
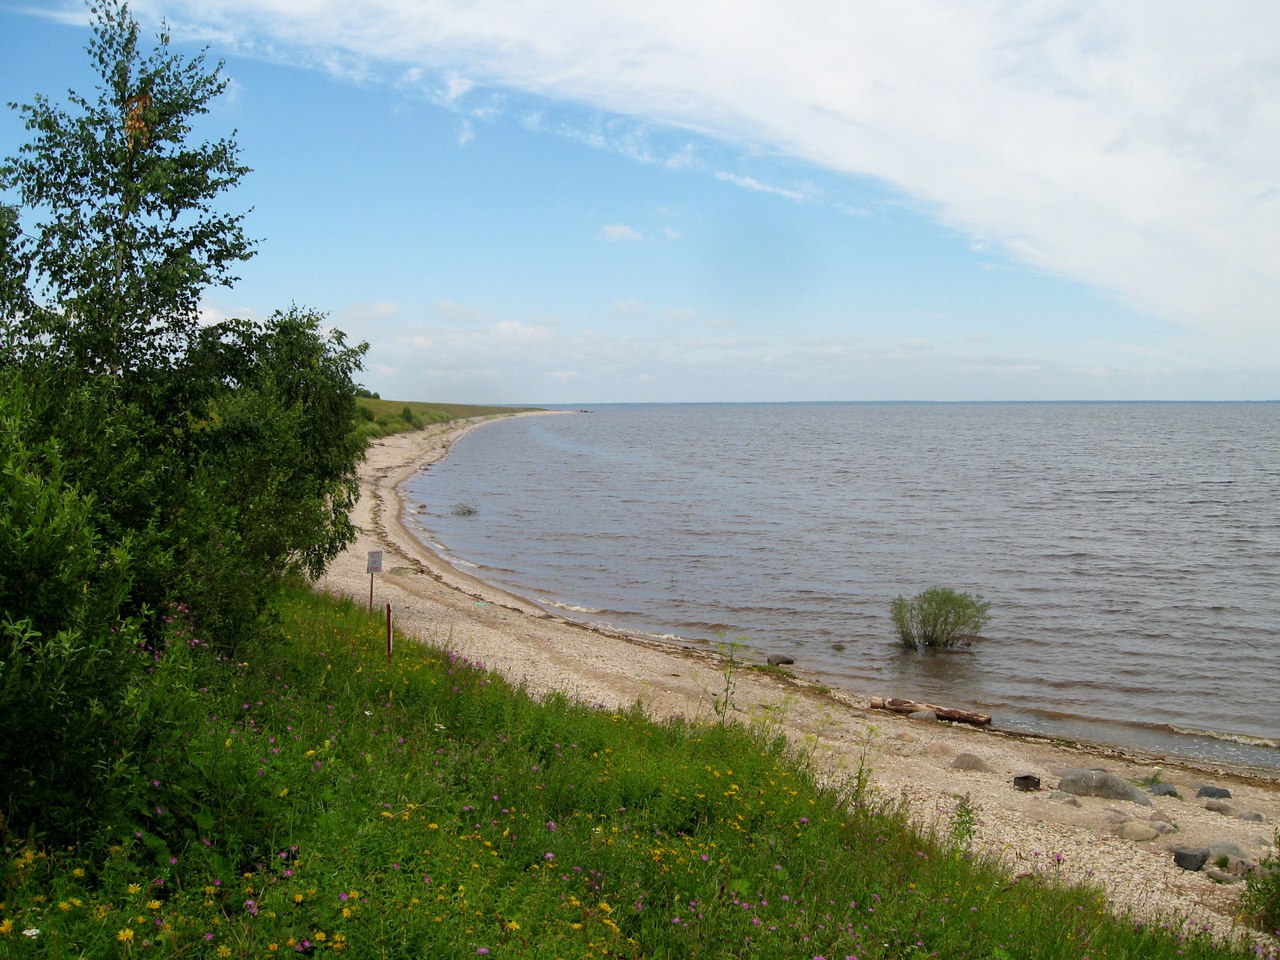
939 617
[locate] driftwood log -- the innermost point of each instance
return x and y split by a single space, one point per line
897 705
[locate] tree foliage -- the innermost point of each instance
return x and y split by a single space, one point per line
128 235
149 464
939 617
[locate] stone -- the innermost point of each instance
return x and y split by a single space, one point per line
1137 831
837 647
922 715
970 761
1027 782
1218 806
1161 815
905 737
1099 783
1213 873
1252 816
1162 826
1213 793
939 749
1163 790
1224 849
1191 858
780 660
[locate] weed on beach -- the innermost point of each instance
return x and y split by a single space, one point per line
319 799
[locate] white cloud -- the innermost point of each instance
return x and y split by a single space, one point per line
1128 145
620 231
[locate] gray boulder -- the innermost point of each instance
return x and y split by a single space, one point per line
1163 790
970 761
1213 793
1099 783
1252 816
1218 806
780 660
1137 831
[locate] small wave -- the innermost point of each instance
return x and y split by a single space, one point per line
1241 738
570 607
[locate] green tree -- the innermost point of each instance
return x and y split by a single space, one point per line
939 617
127 235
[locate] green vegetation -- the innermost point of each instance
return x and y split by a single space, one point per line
939 617
381 418
200 757
153 467
1261 900
319 799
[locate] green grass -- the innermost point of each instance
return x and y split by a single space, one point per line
317 799
380 418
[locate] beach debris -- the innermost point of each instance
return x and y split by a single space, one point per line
464 510
923 715
779 660
1213 793
1099 783
897 705
1026 781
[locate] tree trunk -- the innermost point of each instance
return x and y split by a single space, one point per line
897 705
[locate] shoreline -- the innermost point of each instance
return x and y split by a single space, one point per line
911 759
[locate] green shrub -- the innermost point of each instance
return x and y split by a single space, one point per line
1261 899
939 617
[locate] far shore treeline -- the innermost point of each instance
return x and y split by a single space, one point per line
200 757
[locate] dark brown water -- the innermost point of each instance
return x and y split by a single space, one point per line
1130 552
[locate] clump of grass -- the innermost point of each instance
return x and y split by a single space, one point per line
319 799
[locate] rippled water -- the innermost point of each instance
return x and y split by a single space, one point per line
1130 552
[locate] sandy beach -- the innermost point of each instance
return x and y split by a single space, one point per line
912 759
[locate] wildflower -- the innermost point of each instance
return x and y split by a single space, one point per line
125 935
31 932
483 951
224 951
6 926
153 904
512 925
134 888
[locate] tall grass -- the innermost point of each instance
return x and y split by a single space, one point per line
319 799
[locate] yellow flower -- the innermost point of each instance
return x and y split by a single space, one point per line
512 925
284 792
134 888
605 907
125 935
63 905
297 898
224 951
153 904
6 926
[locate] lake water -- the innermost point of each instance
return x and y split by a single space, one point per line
1130 552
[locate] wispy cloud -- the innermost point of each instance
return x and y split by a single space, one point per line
620 232
751 183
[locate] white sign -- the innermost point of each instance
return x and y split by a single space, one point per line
375 562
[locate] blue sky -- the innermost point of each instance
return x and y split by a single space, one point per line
549 202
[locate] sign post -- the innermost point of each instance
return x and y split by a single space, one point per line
372 566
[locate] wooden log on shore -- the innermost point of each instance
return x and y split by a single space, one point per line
897 705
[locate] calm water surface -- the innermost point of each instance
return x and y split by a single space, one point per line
1130 552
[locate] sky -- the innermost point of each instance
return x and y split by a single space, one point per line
524 201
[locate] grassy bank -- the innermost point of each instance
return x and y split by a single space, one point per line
380 418
316 798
